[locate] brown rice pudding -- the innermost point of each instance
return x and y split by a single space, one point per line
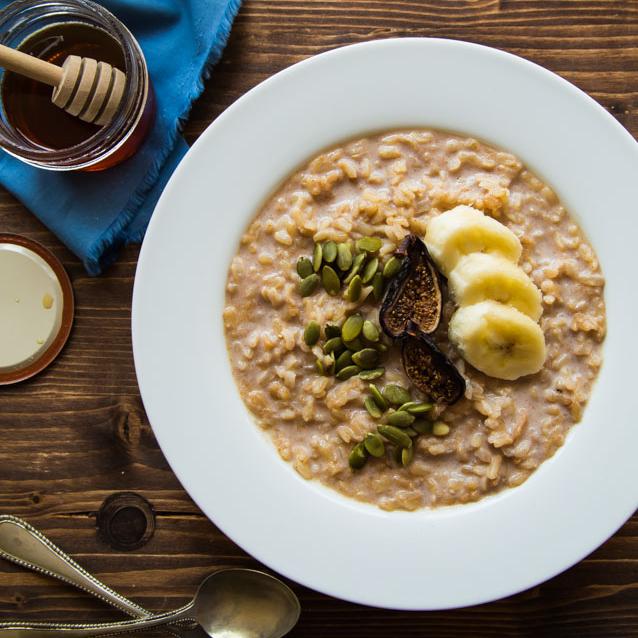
311 392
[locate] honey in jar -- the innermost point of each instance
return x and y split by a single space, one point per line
40 133
28 103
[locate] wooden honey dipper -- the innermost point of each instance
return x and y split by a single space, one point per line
83 87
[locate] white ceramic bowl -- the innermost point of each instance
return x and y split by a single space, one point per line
429 559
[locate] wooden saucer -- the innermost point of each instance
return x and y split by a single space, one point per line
36 308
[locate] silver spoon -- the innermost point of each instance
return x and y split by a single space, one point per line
24 545
231 603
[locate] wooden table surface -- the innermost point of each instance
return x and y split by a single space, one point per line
78 432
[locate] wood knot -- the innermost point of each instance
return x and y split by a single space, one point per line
126 521
129 426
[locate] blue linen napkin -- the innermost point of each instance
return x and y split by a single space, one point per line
94 214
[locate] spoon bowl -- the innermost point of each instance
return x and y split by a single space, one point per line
244 603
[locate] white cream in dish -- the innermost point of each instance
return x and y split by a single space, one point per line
31 305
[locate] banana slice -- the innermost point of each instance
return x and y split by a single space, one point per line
464 230
481 276
498 340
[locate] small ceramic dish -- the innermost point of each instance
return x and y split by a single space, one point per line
36 308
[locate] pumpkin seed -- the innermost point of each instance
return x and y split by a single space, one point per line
317 257
319 367
395 435
407 454
329 251
304 267
344 257
422 426
370 375
333 344
343 360
374 445
356 266
395 394
370 331
352 327
329 363
331 330
330 280
312 333
420 408
440 429
353 292
381 347
355 345
400 419
391 267
411 432
370 270
378 287
369 244
347 372
416 407
396 454
366 358
308 285
372 408
378 397
358 456
407 405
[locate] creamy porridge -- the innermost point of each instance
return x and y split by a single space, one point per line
384 188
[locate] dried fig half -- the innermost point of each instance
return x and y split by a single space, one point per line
414 293
428 368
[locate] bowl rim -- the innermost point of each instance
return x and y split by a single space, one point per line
291 561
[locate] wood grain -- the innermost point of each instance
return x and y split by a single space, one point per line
77 433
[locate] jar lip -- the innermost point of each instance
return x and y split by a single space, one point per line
115 134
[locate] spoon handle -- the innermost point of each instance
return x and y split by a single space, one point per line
24 545
69 630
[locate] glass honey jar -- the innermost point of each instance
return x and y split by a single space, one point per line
36 131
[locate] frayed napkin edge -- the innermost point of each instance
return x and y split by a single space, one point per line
104 250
